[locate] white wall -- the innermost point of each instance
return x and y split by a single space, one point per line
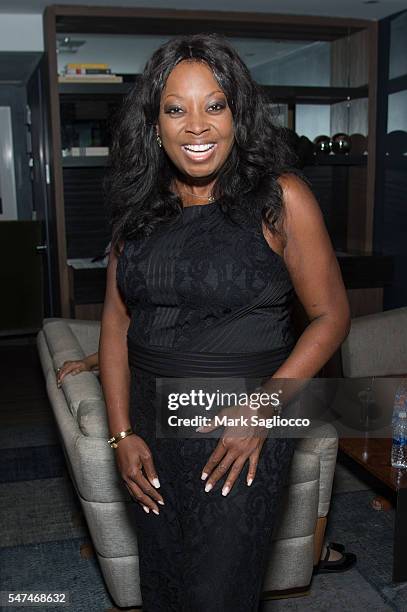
21 32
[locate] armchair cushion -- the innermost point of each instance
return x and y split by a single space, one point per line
92 420
376 345
324 443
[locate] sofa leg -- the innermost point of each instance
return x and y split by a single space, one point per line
319 538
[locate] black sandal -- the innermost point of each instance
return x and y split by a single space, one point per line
338 547
347 561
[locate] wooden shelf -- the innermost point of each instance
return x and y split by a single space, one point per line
94 89
169 22
340 159
314 95
275 93
397 84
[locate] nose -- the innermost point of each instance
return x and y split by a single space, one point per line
197 123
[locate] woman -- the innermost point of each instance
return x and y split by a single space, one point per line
212 233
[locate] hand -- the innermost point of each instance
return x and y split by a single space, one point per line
133 455
71 367
238 444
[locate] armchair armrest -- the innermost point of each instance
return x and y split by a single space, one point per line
325 444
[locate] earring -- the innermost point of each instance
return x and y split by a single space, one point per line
159 142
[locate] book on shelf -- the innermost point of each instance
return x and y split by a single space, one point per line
90 78
87 65
69 71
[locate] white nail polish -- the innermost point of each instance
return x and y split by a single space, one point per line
146 509
208 487
155 511
249 482
204 476
225 491
156 483
160 502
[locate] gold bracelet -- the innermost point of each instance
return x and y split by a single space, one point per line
113 441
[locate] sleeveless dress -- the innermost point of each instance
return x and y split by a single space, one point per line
198 286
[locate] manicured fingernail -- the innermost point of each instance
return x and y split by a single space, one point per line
204 476
146 509
156 483
225 491
208 487
199 428
155 511
249 482
160 502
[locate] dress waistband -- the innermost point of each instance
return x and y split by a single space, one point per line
171 362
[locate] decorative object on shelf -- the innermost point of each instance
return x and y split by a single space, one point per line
322 144
66 44
358 143
340 143
396 143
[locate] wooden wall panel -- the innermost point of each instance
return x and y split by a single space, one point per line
349 60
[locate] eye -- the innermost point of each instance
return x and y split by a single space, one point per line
173 110
217 106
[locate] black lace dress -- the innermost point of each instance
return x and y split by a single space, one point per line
205 285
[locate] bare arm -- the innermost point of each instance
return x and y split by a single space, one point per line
113 361
133 456
317 280
76 366
92 361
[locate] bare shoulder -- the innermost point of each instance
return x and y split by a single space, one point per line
300 208
300 204
307 242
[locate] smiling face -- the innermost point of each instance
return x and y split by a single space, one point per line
195 122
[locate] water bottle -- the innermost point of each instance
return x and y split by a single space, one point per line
399 421
400 402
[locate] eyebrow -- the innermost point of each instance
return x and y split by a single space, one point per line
208 96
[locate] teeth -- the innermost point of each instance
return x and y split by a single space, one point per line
198 148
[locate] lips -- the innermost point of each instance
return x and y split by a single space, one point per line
199 152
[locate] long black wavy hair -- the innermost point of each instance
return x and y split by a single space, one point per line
137 186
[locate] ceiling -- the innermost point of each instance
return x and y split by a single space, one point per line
363 9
